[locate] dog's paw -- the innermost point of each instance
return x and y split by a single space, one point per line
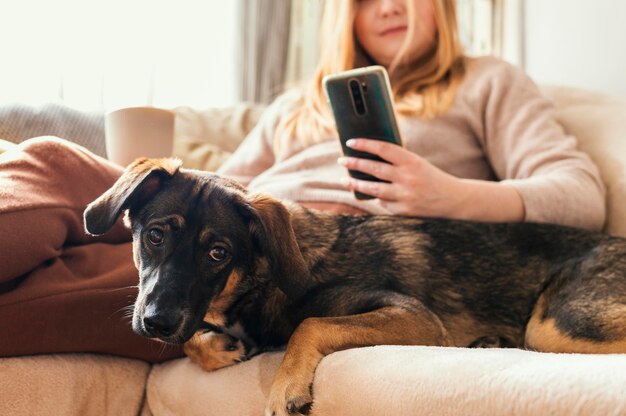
289 398
211 350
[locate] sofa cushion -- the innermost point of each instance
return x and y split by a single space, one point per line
72 384
196 154
204 139
223 127
182 387
406 380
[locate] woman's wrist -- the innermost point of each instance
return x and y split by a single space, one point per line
488 201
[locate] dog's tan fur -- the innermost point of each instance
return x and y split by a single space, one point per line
545 335
215 314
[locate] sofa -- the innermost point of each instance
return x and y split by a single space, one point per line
376 380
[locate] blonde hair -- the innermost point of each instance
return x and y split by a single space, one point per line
423 88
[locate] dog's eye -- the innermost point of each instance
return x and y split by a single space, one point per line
155 236
218 253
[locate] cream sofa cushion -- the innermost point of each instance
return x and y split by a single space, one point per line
401 380
204 139
223 127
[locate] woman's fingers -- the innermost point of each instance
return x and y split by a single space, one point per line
381 190
401 171
392 153
381 170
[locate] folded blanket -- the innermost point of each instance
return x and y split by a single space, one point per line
45 184
399 380
62 290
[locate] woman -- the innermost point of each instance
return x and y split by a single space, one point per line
481 144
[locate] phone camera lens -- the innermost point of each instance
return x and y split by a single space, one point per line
357 96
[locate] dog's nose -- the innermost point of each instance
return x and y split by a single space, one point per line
162 325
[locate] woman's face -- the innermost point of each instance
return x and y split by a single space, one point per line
381 27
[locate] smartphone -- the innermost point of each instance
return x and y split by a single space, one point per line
361 103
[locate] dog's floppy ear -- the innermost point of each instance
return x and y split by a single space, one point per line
141 180
271 228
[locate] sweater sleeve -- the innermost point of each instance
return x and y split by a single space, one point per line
530 150
256 153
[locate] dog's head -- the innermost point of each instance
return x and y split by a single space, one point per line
193 232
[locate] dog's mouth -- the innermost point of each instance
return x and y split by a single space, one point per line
167 316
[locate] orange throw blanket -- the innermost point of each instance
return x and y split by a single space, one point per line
60 289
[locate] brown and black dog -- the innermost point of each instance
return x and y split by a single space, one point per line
232 274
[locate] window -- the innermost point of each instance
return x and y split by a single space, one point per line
492 27
108 54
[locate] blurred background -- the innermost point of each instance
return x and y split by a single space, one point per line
96 55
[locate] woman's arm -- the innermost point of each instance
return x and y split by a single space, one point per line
529 150
419 188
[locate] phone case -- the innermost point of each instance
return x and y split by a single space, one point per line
372 117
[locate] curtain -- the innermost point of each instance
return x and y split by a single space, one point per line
303 52
262 47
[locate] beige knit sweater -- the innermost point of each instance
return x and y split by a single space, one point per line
499 128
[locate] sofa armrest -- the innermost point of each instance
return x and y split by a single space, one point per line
599 123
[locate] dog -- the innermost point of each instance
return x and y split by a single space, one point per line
231 274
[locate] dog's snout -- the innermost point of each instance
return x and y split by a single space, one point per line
161 325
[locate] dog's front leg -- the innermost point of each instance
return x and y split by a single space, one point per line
315 338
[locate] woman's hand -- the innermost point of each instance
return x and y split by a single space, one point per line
418 188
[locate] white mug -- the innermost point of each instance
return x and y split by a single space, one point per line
138 132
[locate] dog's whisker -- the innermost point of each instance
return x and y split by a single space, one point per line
162 349
125 311
117 289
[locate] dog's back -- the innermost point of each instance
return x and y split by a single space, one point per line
477 277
